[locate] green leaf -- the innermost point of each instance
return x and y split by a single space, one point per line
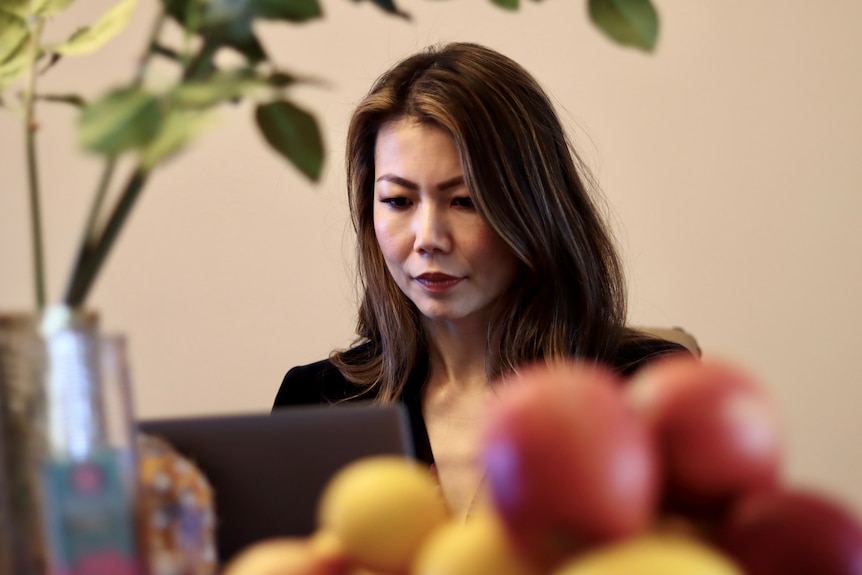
178 129
52 7
628 22
506 4
240 13
389 7
280 79
221 22
13 36
290 10
19 8
243 41
12 69
91 38
15 7
219 87
186 13
294 134
233 13
125 119
14 53
27 8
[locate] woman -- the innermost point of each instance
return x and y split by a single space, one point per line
479 249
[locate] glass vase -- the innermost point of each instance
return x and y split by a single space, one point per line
73 451
23 444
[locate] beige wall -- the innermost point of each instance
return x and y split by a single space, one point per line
730 158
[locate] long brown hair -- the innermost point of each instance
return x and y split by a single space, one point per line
526 181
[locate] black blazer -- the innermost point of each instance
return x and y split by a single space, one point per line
321 382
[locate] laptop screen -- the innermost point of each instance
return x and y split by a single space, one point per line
268 471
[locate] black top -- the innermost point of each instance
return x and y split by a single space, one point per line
321 382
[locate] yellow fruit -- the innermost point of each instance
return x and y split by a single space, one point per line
479 546
381 509
288 556
652 554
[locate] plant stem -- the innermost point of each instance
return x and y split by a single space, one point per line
89 237
94 248
152 42
30 128
98 248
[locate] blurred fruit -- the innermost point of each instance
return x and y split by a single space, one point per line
479 546
652 554
716 431
381 509
568 464
793 531
288 556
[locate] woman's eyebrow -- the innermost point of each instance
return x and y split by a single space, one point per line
451 183
405 183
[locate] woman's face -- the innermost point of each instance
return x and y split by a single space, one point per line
439 250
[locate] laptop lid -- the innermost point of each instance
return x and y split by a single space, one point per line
269 470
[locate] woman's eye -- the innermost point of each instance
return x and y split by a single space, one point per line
463 202
396 202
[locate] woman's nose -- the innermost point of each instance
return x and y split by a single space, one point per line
432 232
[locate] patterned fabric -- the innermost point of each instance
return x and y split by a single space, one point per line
178 511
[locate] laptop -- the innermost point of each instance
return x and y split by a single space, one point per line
268 470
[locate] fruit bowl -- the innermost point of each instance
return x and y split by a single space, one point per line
677 471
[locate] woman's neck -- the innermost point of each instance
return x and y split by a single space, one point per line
455 400
457 356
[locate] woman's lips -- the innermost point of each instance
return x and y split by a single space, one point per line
437 282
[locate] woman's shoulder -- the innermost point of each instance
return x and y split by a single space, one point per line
638 349
318 382
307 383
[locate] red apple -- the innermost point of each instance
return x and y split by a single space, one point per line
568 463
792 531
715 428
